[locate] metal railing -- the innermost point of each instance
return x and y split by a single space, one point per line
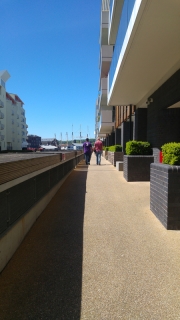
123 26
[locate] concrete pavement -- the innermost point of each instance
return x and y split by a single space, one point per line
96 252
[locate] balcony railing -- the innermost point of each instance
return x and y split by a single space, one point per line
1 104
110 6
123 26
1 115
2 83
1 126
105 5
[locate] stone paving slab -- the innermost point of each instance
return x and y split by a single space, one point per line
96 252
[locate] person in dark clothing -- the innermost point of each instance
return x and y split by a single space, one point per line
87 147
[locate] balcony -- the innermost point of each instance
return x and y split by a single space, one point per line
2 83
106 122
115 14
1 126
12 113
104 27
103 93
12 121
2 137
106 54
141 63
1 115
1 104
122 30
17 116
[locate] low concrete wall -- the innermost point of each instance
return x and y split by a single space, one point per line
14 233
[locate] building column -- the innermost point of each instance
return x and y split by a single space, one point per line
126 133
117 136
140 124
113 138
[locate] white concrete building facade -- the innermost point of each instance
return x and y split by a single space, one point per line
143 80
104 121
13 127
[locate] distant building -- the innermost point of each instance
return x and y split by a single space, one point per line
77 146
33 141
49 141
13 127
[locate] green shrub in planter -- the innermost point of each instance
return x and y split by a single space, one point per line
138 148
106 148
116 148
171 153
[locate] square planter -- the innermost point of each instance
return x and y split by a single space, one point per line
165 194
137 168
105 154
115 156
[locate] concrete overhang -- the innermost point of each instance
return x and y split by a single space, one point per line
151 52
106 127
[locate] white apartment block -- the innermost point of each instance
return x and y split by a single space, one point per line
104 120
13 127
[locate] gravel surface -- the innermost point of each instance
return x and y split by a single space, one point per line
96 252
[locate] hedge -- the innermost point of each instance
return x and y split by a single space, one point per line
171 153
138 148
115 148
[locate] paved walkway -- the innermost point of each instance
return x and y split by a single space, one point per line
97 253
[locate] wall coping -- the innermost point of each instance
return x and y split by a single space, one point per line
165 167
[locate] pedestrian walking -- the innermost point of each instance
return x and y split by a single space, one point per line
98 146
87 147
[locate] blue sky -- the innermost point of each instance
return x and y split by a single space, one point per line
51 50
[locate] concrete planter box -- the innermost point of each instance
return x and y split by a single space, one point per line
165 194
115 156
105 154
137 168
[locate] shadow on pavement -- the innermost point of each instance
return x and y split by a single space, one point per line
43 280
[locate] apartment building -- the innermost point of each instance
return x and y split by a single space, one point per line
13 127
104 121
143 81
33 141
